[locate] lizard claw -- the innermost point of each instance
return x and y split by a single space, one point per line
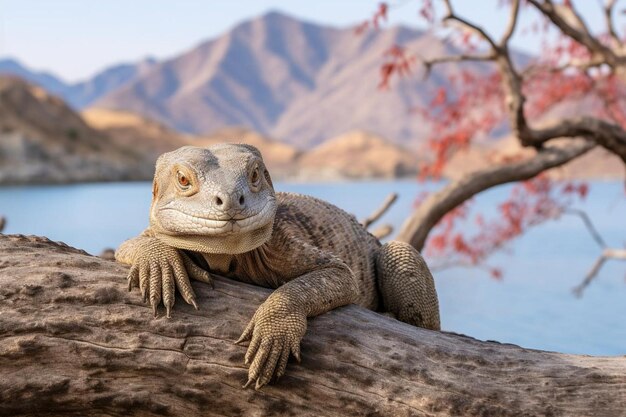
195 272
273 338
158 270
247 333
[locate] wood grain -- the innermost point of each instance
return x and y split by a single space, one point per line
73 341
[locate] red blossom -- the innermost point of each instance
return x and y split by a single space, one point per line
427 11
496 273
399 62
470 103
529 204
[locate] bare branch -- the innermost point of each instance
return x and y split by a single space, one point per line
579 64
387 203
451 16
430 63
416 228
589 225
608 17
512 81
457 263
610 136
607 253
564 18
605 134
510 29
383 231
618 254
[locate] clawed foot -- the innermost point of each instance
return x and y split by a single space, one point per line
158 274
273 337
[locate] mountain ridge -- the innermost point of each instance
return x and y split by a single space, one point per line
272 74
296 80
42 140
83 93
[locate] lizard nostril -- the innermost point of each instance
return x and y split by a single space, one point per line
218 201
241 200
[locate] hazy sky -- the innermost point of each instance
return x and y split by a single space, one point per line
75 38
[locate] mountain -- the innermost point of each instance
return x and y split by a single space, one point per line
356 154
352 155
82 94
152 138
85 93
279 157
132 130
45 80
42 140
296 81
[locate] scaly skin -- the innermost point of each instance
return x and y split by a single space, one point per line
218 205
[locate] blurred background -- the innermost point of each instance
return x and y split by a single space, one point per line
337 98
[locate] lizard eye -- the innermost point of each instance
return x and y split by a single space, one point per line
183 180
255 176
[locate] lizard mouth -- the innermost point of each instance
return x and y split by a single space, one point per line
226 224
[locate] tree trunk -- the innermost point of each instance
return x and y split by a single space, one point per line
423 220
75 342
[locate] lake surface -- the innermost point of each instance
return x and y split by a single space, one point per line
532 306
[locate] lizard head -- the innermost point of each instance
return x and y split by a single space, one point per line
218 199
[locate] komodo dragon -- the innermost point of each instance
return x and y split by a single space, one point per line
218 206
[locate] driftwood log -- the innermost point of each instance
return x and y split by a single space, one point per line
73 341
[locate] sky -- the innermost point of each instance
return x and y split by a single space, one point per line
74 39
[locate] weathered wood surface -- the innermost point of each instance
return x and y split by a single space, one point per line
73 341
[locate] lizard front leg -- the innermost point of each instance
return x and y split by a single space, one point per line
157 269
278 326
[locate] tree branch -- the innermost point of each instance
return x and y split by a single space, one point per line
609 135
607 253
416 228
510 29
387 203
75 342
618 254
500 54
451 16
383 231
609 5
579 33
430 63
582 65
589 225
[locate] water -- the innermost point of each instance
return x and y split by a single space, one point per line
532 306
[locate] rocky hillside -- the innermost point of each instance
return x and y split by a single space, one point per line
356 154
132 130
281 158
42 140
598 164
353 155
295 81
